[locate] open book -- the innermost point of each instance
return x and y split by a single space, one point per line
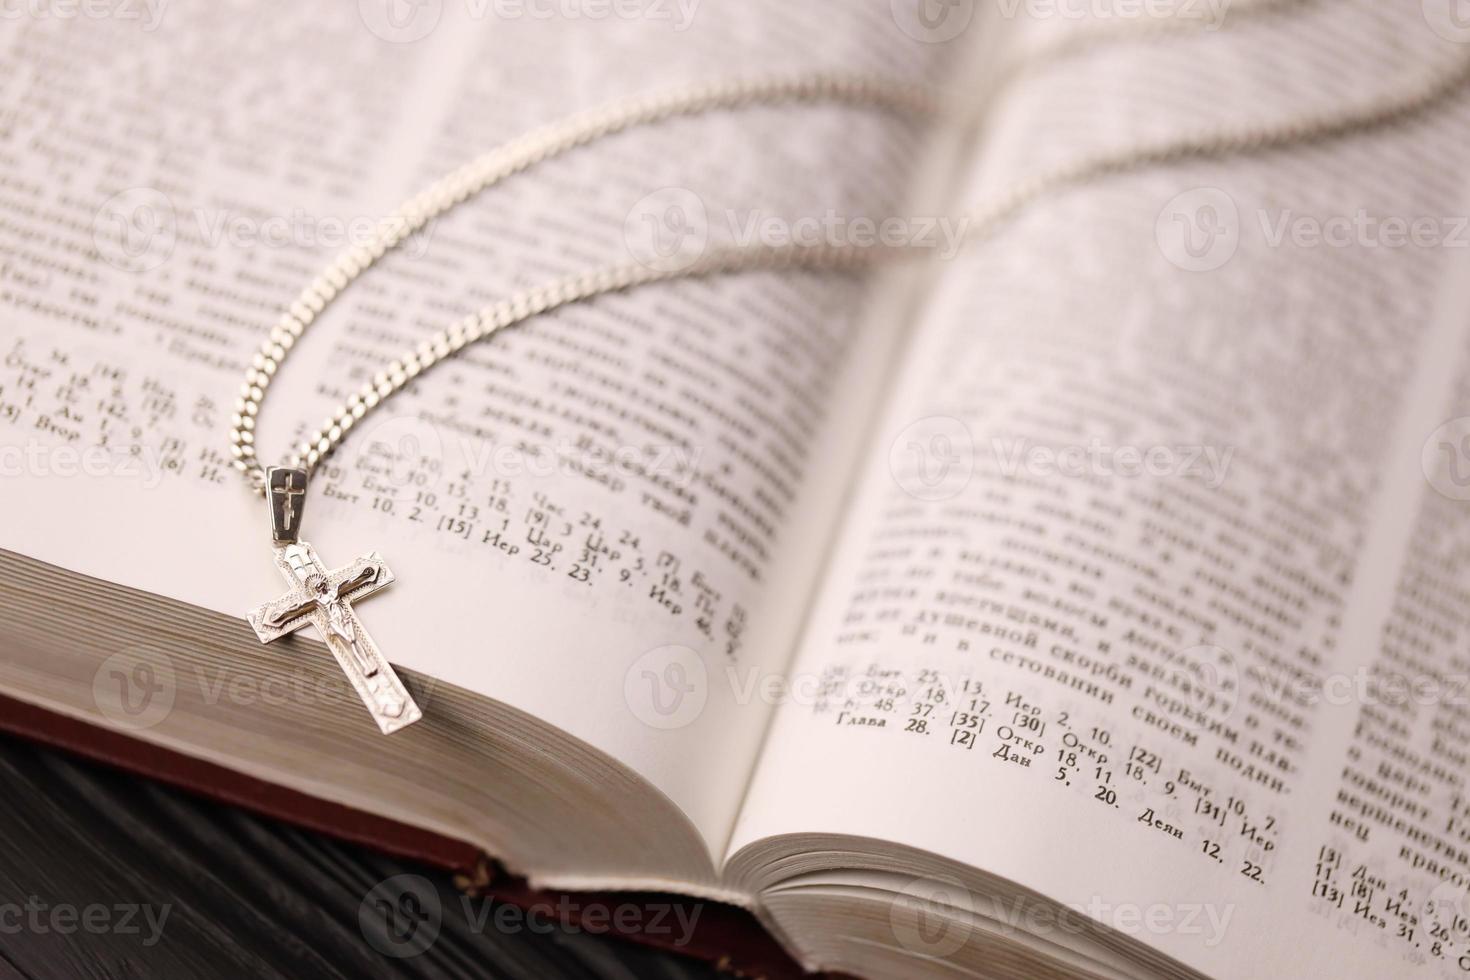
1086 601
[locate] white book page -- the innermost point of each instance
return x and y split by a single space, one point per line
1146 493
575 512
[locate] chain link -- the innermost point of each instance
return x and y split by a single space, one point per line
583 128
483 172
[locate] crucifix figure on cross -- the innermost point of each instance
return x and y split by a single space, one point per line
323 598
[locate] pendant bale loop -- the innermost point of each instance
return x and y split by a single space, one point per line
286 492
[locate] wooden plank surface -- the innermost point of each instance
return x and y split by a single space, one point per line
104 875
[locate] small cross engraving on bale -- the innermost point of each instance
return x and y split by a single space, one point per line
286 490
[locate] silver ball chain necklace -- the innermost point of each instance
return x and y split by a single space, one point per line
323 597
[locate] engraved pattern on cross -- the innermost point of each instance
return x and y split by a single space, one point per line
323 598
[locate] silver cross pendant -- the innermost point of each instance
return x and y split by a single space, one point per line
323 598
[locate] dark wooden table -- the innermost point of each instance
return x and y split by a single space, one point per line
104 875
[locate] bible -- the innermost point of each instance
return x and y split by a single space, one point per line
1082 598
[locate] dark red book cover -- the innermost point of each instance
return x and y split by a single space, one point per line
730 937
